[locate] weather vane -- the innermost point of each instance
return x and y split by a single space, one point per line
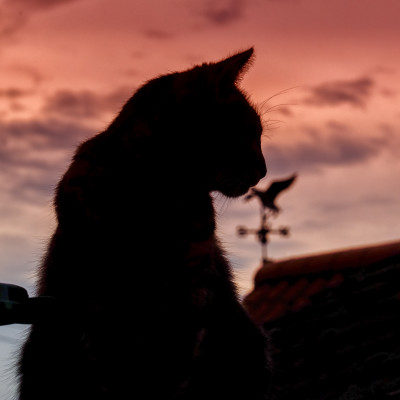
269 208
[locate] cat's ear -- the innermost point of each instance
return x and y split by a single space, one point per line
231 69
214 76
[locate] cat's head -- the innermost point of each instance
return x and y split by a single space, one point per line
203 129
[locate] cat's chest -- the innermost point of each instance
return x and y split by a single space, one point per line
206 271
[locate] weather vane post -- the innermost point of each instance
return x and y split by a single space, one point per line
268 208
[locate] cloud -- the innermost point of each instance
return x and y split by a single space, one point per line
85 104
334 145
10 22
16 13
14 93
389 93
32 148
352 92
13 96
157 34
34 153
39 135
24 5
223 12
25 71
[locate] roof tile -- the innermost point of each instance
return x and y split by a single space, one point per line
289 284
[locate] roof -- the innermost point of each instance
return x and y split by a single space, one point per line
329 261
333 322
288 285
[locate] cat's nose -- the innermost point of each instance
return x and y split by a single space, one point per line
259 172
259 161
262 169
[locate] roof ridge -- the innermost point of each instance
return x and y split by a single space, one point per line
335 260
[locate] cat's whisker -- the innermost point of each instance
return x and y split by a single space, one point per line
271 122
284 91
268 126
277 108
274 121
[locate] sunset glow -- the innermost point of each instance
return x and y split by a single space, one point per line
329 69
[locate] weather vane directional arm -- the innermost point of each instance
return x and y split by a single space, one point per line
262 235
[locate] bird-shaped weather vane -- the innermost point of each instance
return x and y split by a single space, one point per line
269 208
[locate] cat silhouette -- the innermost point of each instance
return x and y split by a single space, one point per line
146 303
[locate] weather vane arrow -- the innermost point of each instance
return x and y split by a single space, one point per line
268 196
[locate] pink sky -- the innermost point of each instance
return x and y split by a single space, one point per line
67 66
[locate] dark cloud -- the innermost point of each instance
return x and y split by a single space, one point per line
389 93
85 104
15 13
31 146
24 5
34 154
157 34
12 97
223 12
10 22
380 200
345 205
337 145
13 94
75 104
17 107
36 189
352 92
384 70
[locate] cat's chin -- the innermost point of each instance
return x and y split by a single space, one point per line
236 191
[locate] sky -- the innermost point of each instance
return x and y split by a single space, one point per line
326 75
